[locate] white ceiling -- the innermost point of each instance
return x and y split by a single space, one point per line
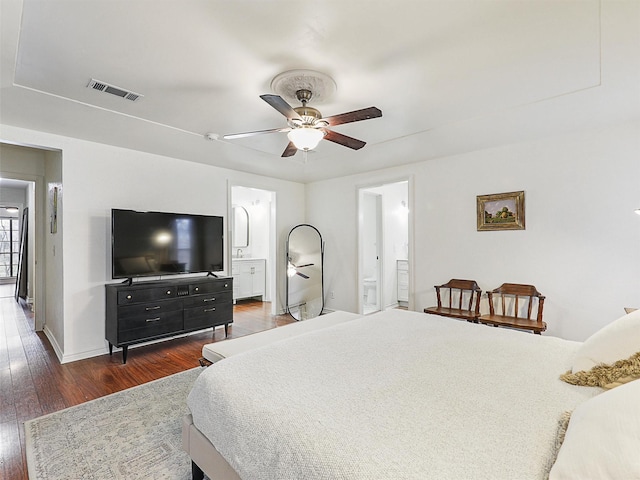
450 76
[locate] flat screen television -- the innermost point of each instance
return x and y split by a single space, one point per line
159 243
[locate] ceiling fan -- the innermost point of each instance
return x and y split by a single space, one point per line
307 126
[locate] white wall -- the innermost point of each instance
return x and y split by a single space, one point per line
97 178
54 319
580 246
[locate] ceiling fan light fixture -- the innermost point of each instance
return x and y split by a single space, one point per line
305 138
291 270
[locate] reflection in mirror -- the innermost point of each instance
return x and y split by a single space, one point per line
305 298
240 227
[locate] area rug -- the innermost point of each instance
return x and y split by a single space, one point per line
133 434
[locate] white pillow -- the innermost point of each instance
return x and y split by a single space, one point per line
603 438
616 341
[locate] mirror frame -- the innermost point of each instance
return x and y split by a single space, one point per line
287 258
234 227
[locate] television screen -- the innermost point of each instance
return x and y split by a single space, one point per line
157 243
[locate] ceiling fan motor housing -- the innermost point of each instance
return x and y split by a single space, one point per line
310 116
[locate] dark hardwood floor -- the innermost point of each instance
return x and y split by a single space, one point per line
34 383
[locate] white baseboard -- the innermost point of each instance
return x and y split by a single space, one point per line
104 350
54 343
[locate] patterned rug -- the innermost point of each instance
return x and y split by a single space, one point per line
133 434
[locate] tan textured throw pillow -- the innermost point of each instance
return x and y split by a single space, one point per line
606 376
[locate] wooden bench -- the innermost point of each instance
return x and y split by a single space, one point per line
514 292
466 310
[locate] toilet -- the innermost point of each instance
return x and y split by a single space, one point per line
370 285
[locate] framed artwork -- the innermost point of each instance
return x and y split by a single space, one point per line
501 211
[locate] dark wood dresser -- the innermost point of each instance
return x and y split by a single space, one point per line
143 311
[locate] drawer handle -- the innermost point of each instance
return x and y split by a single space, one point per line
226 285
168 292
212 309
128 297
209 299
152 308
197 289
153 319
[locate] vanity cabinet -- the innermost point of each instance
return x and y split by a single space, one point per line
403 282
248 278
143 311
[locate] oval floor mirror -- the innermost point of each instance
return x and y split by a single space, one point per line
305 251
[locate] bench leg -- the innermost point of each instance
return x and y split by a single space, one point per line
196 471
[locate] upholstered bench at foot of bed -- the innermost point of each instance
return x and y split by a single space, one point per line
214 352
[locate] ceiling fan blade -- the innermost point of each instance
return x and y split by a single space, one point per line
257 132
355 116
341 139
290 151
302 275
277 102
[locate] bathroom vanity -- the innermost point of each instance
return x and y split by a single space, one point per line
248 277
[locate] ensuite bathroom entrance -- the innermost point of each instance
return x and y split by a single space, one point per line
383 250
253 246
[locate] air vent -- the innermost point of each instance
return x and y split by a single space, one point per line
113 90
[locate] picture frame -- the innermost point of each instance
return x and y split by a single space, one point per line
501 211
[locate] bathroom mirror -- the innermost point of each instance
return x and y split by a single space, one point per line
305 252
240 227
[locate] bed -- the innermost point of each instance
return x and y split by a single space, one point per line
394 395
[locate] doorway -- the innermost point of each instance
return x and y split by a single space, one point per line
383 246
16 258
371 251
252 243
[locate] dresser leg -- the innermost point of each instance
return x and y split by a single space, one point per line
226 330
125 349
110 349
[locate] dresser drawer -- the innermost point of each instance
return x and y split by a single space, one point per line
210 286
210 299
150 319
152 309
139 328
139 295
208 316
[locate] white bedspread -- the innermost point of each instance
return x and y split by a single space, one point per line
396 395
